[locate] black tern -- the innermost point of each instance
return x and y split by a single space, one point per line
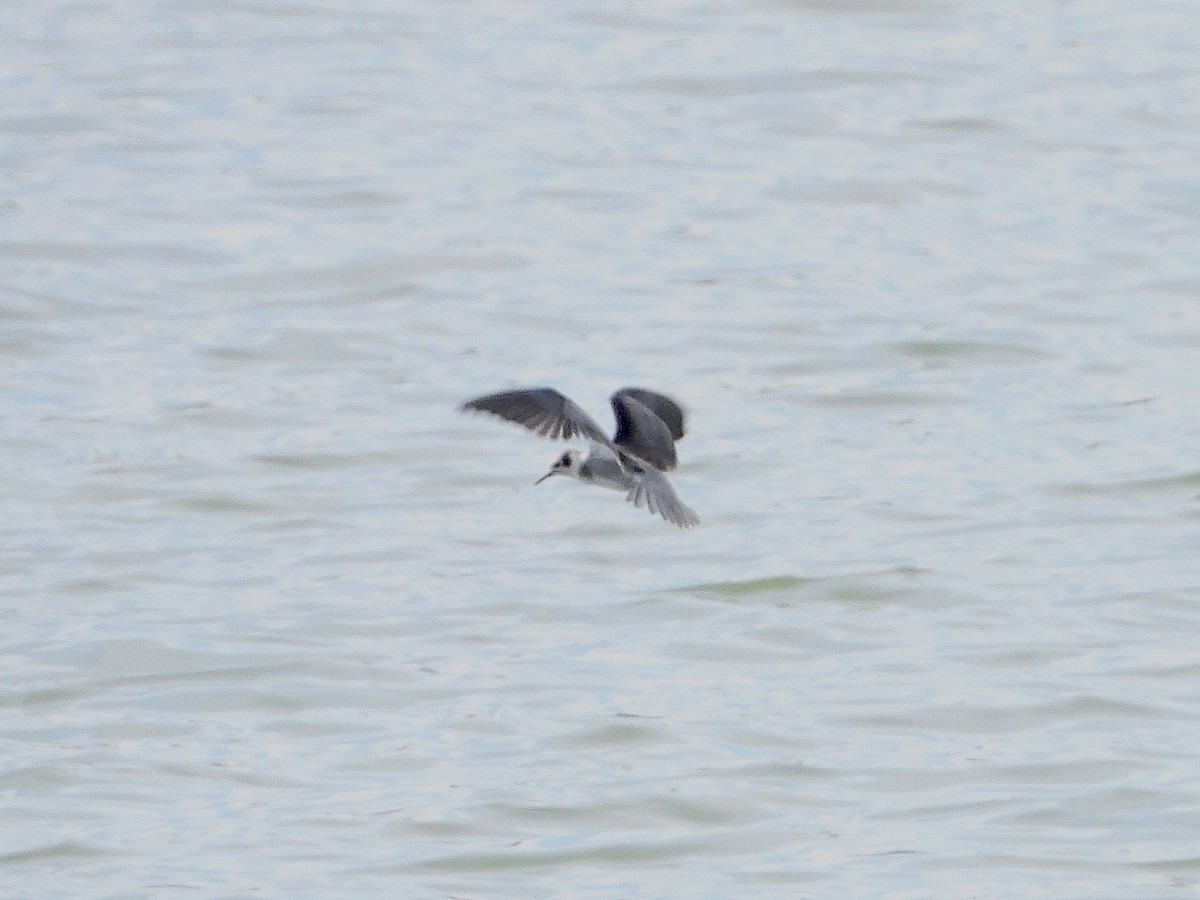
632 460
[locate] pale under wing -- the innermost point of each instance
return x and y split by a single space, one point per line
652 490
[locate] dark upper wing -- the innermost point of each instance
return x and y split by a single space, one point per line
662 406
543 411
641 433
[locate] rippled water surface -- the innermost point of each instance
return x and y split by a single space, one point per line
278 621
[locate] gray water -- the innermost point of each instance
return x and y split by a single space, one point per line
278 621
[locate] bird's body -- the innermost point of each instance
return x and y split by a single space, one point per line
605 470
633 460
597 466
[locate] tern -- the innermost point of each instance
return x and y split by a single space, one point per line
632 460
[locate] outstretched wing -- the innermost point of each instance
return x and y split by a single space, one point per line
543 411
661 405
652 490
641 433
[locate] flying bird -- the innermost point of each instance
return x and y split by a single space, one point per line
632 460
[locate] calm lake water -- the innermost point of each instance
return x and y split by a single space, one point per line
278 621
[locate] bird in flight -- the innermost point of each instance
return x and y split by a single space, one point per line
632 460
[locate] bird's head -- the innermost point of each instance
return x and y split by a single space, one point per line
567 464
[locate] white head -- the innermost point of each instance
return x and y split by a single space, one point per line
569 463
